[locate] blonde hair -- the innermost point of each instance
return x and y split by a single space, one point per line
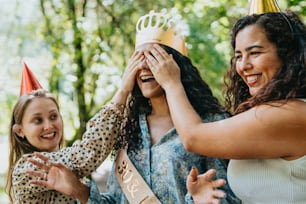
18 145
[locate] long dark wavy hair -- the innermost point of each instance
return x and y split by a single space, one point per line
288 33
198 92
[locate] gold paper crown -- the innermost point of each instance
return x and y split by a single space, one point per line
263 6
154 28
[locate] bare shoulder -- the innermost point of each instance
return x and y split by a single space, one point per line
290 107
274 114
292 113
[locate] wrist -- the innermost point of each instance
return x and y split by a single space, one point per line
171 86
122 93
119 106
81 193
120 96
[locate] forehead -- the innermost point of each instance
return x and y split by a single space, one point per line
144 47
41 104
252 34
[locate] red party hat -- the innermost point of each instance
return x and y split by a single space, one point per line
28 81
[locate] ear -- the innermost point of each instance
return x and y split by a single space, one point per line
17 129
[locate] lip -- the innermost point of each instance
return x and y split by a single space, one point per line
252 79
49 135
144 78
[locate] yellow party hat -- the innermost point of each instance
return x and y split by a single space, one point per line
263 6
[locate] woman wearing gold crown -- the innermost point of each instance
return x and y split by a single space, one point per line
155 165
266 87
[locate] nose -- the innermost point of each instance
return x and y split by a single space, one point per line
244 64
48 124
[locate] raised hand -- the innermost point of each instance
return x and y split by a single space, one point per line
203 189
164 68
128 78
58 177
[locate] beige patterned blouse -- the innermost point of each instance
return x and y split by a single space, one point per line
83 157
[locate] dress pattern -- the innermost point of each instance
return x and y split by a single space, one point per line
83 157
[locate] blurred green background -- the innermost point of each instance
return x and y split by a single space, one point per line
78 50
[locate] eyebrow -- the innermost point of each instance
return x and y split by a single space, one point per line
51 111
250 48
36 114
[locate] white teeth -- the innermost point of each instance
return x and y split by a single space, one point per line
48 135
251 79
146 77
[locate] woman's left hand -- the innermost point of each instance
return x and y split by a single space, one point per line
203 189
54 175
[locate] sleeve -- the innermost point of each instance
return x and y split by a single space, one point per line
95 197
83 157
188 199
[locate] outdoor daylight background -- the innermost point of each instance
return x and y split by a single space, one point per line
78 50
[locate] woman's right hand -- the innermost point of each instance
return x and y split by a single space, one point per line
58 177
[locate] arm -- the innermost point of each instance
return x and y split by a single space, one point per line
87 155
84 156
255 133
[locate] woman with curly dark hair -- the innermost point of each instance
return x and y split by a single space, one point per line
266 89
287 33
153 144
198 92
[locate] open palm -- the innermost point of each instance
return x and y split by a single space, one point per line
203 189
59 177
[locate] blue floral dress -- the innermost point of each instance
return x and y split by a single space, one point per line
165 166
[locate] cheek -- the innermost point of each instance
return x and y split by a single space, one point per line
270 66
270 71
238 69
31 132
59 124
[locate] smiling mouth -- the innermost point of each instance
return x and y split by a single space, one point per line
48 136
252 79
147 78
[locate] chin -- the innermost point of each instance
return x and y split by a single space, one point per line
254 92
